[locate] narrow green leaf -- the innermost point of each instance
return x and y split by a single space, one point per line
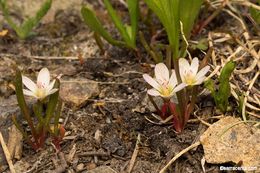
168 13
118 22
189 11
24 30
30 23
52 104
5 10
57 117
21 101
133 8
227 71
94 24
255 13
17 125
148 49
37 109
224 86
209 84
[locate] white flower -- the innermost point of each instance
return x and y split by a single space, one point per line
189 72
42 88
163 85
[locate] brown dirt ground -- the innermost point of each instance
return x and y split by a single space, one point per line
116 118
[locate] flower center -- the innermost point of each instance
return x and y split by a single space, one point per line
189 78
40 93
41 85
166 90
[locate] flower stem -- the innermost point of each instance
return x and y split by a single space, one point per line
181 94
154 104
192 103
22 104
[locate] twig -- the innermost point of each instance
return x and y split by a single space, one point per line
63 164
247 94
7 154
179 155
203 122
88 81
95 153
135 153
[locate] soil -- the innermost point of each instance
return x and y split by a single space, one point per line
118 112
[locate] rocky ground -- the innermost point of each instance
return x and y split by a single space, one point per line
106 109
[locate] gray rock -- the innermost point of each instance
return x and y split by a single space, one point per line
230 140
78 92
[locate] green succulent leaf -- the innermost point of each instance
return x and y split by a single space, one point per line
226 71
224 91
4 9
20 97
29 24
224 86
57 117
94 24
25 29
255 13
52 104
189 10
168 13
21 101
209 84
133 8
117 21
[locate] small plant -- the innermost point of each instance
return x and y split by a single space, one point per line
255 13
167 87
178 18
128 33
173 14
25 29
46 111
221 96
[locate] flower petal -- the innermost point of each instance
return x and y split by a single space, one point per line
52 91
43 78
179 87
184 66
153 92
202 72
29 93
161 73
173 80
194 65
29 83
200 81
50 86
151 81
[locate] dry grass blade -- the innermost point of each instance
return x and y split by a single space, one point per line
135 153
179 155
7 154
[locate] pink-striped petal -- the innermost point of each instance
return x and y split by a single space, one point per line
194 65
43 78
29 93
184 66
161 73
202 72
52 91
173 79
50 86
29 83
151 81
179 87
153 92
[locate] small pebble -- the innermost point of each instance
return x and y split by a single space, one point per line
80 167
